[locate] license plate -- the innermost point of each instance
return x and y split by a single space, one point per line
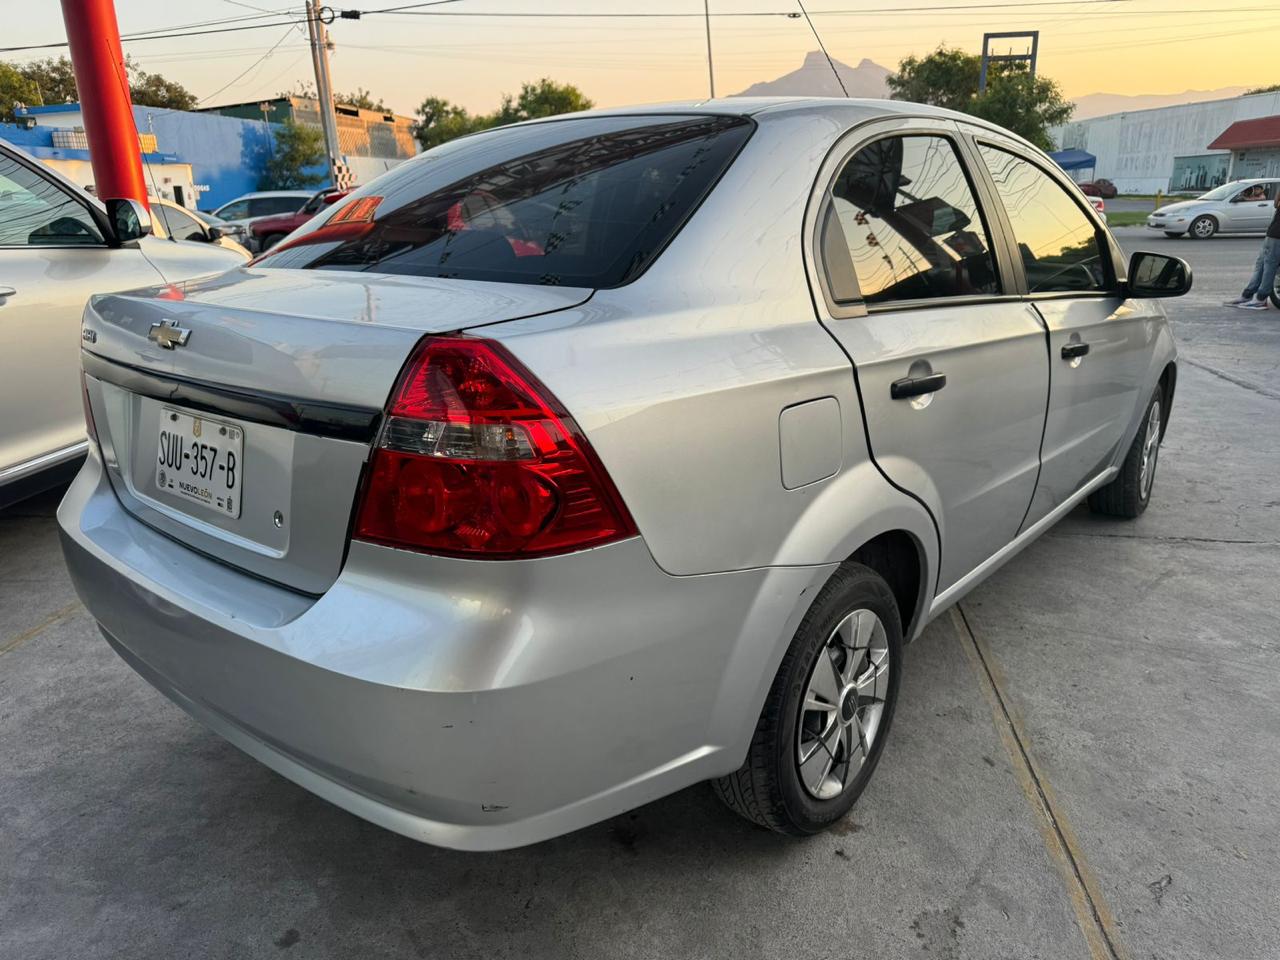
201 460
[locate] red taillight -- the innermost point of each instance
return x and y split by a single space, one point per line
90 427
476 458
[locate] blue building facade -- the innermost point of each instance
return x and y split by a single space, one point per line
228 155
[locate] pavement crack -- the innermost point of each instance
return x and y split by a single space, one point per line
1223 375
1162 538
1093 916
56 617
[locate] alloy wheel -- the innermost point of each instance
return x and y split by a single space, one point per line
1150 451
843 705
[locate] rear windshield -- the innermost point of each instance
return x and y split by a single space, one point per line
580 210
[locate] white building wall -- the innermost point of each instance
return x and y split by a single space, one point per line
161 178
1136 150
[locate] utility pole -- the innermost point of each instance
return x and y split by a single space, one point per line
711 70
339 176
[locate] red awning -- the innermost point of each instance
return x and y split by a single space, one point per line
1244 134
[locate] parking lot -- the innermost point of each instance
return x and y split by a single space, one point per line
1084 763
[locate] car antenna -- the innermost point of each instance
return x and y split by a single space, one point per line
155 187
823 46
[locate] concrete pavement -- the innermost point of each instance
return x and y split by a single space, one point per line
1084 764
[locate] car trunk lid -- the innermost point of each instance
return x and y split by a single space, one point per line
275 380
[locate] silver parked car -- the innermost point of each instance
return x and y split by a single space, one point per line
59 245
1242 206
578 461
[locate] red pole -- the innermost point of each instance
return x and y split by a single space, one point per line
103 86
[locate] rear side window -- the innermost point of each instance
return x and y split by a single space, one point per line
910 223
590 211
1060 247
272 206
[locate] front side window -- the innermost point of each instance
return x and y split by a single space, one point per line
586 209
1059 245
177 224
35 212
236 210
910 222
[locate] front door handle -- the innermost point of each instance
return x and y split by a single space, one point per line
915 386
6 292
1075 348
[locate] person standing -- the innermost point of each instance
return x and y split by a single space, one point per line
1263 281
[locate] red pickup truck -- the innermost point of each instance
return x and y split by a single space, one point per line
266 232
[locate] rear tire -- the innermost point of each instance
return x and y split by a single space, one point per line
1129 493
1202 228
845 660
270 240
1275 293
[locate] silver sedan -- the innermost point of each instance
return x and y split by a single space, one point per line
1242 206
578 461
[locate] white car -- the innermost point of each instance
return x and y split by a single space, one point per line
58 245
176 222
1241 206
263 203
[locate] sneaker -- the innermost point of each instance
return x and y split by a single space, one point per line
1253 305
1236 302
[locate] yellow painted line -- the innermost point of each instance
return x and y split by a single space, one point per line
49 621
1094 917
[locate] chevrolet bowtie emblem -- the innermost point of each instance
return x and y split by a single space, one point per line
168 334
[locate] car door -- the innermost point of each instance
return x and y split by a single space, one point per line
1099 342
52 257
950 363
1248 213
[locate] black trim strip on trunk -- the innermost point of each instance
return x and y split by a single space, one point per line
303 416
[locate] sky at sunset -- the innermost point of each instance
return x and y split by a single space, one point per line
460 52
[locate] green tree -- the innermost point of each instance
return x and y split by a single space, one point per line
15 89
546 98
945 78
362 98
1014 99
439 120
297 146
1271 89
54 81
153 90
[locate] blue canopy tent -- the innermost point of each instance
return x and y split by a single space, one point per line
1073 160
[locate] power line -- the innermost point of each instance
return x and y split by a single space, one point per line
262 59
823 46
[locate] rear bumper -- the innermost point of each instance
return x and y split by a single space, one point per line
467 704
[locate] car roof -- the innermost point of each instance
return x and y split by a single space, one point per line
843 110
270 193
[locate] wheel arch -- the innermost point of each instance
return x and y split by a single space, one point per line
1168 384
899 557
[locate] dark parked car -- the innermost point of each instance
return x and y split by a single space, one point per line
268 231
1099 188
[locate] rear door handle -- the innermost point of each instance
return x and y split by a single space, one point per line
1074 349
915 386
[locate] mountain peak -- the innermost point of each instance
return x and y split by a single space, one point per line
814 78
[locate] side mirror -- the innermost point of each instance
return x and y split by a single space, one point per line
129 219
215 234
1158 275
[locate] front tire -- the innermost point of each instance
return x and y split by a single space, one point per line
1129 493
270 240
828 712
1275 293
1202 228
